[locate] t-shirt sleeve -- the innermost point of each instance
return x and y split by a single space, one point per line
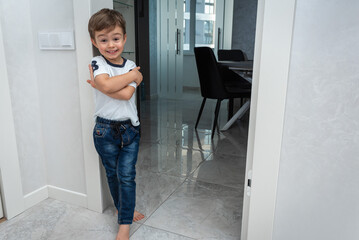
132 65
133 84
98 66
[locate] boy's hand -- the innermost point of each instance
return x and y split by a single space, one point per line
139 77
92 80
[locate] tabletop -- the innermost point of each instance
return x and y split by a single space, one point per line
238 65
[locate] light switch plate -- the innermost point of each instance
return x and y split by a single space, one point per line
56 40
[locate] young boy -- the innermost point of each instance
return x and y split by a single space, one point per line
116 133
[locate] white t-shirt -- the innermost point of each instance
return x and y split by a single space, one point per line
110 108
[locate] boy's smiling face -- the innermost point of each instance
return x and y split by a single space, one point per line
110 44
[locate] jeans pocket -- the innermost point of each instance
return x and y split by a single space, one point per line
99 131
135 129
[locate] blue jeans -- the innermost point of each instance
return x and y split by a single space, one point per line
117 143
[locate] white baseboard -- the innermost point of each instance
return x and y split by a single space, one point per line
57 193
68 196
35 197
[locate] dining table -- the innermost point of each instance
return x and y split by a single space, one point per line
245 70
242 66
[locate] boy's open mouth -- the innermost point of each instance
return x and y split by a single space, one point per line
112 51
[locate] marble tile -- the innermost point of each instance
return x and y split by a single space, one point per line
155 133
153 189
176 114
53 219
150 233
83 235
186 136
163 121
227 170
197 139
232 145
201 211
170 160
36 223
149 135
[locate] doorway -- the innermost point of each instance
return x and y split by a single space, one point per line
216 32
181 26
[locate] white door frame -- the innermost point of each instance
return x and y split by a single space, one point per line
10 176
275 20
83 9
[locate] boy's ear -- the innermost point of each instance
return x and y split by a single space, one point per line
93 42
125 38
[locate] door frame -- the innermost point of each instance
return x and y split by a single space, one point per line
266 122
10 174
83 9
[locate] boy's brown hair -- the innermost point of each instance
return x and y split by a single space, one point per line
106 19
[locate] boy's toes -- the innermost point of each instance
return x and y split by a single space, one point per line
137 216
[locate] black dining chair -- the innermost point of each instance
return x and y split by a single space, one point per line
231 55
218 82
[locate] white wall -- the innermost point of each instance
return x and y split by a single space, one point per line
59 98
49 152
24 91
10 180
44 92
318 195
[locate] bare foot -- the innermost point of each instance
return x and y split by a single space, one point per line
137 216
123 232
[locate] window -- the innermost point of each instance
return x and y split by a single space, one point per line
199 23
186 25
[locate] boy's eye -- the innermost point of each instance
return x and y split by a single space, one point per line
103 40
116 39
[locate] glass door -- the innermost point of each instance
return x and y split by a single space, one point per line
126 8
171 48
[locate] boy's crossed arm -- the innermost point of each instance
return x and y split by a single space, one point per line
117 86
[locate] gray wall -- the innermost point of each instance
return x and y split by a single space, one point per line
318 195
244 26
153 47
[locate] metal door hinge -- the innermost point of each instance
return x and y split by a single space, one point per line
249 183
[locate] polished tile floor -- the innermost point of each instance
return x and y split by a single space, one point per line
188 186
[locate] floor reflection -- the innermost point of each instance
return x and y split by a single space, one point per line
208 202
